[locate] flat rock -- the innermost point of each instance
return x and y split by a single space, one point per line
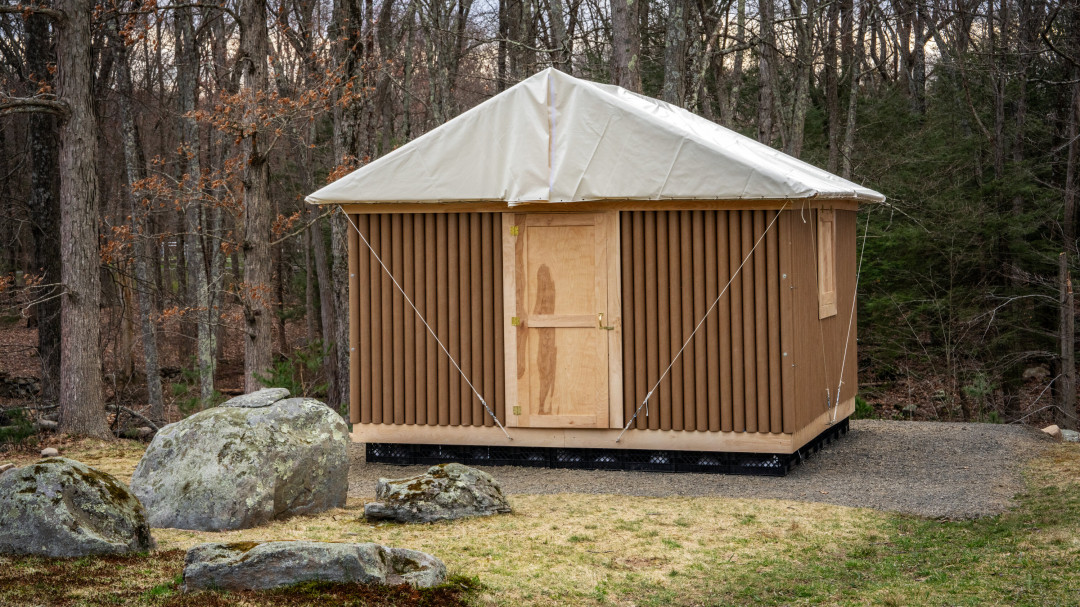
49 452
263 565
59 507
238 467
257 399
1053 431
1070 436
444 492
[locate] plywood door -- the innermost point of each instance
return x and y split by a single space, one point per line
562 319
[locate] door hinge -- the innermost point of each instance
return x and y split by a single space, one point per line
514 321
517 409
514 230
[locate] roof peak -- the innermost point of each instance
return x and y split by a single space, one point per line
557 138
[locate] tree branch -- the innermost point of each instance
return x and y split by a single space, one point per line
14 105
158 9
136 415
25 9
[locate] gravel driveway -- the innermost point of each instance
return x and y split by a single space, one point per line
932 469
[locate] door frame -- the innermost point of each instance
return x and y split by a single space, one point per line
514 367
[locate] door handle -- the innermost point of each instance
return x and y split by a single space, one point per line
600 322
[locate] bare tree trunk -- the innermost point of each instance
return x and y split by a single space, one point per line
766 64
855 64
918 59
832 85
340 293
44 205
225 84
82 407
256 291
1066 388
11 228
804 28
347 150
674 89
731 102
500 60
309 292
326 309
407 65
277 253
383 98
560 55
198 289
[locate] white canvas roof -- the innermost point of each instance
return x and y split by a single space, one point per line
555 138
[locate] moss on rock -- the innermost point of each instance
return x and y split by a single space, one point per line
238 467
61 507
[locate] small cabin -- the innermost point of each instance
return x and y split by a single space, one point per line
573 274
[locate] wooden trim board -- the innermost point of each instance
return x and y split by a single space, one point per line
676 440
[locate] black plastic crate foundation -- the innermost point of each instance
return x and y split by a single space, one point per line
757 464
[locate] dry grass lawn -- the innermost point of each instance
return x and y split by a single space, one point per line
620 550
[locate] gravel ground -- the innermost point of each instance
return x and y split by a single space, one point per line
931 469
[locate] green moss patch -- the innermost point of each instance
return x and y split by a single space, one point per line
241 546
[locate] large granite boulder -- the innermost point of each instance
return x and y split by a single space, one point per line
60 507
233 467
258 566
445 492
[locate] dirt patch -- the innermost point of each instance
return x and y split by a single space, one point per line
931 469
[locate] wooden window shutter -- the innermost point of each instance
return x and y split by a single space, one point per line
826 262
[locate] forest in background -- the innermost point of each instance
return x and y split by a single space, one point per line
181 138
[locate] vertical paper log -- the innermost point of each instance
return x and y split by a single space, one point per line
453 247
749 334
355 356
475 335
364 295
701 386
663 300
775 355
626 236
652 345
387 309
738 378
408 278
464 356
420 335
442 257
761 315
500 361
431 304
398 317
675 376
724 321
688 288
713 321
375 274
642 282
